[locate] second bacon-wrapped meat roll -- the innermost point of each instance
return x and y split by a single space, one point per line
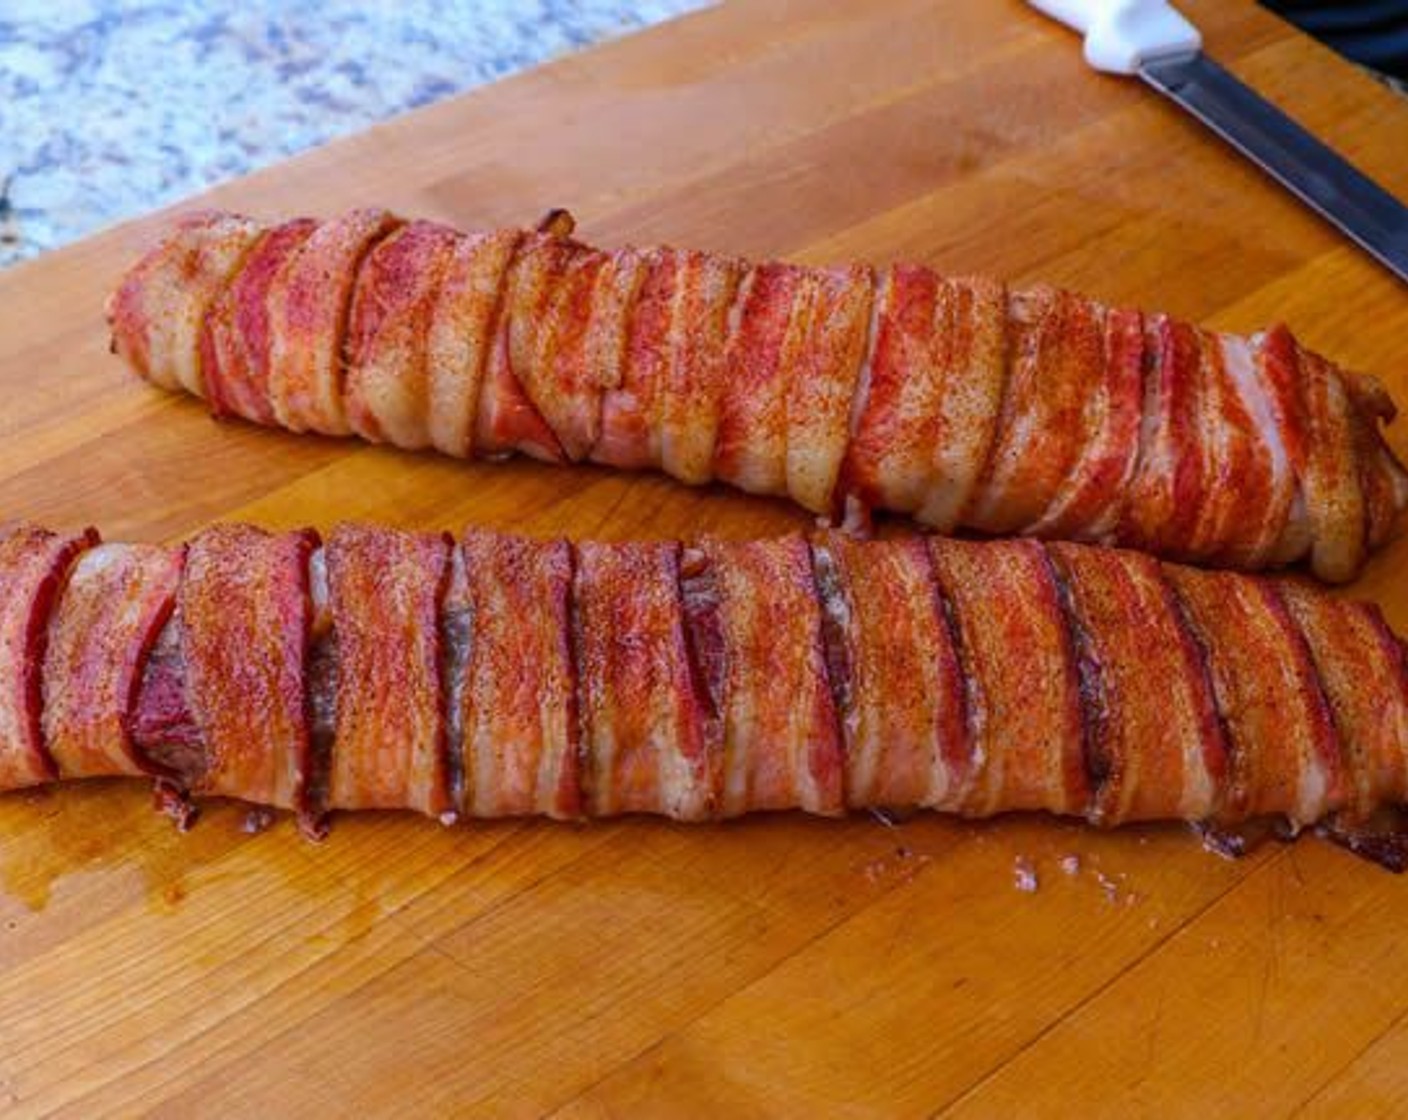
496 676
958 401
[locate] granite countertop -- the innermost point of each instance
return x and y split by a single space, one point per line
109 109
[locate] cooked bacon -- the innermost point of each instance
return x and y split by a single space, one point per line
385 588
643 711
34 564
781 745
960 402
115 603
518 737
245 621
388 334
504 676
307 303
234 345
894 666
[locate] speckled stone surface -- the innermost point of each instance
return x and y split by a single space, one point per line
109 109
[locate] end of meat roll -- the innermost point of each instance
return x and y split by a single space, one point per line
158 312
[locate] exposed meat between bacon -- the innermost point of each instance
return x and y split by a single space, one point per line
959 401
503 676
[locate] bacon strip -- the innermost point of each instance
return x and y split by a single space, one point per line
463 320
937 379
781 742
234 345
643 716
1282 743
1362 669
1146 761
901 693
385 589
550 341
1091 500
1050 411
775 313
1023 690
508 419
245 619
33 566
632 406
115 603
307 303
517 706
388 335
158 311
960 402
823 385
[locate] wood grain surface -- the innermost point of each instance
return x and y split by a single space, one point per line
775 966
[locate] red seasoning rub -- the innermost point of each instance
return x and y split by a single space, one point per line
774 316
508 420
962 402
1361 665
1146 761
158 312
1283 748
388 333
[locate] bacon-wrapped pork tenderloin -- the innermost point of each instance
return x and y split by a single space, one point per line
958 401
499 676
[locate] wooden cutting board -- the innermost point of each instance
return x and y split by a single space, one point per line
778 966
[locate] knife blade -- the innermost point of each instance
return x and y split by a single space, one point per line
1149 38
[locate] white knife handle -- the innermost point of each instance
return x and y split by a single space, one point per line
1122 35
